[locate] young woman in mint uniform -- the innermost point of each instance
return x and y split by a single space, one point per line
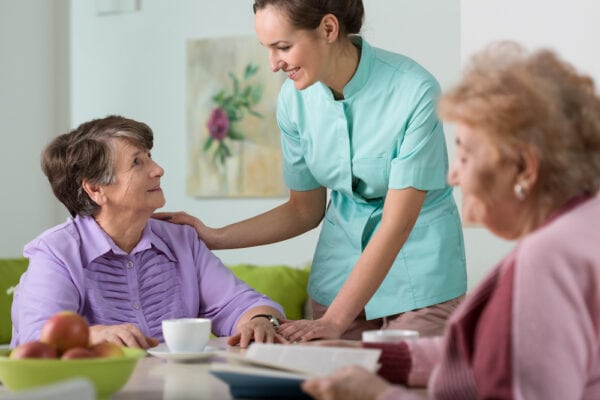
361 122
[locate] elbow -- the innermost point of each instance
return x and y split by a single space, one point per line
314 216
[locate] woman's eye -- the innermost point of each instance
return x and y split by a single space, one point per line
284 48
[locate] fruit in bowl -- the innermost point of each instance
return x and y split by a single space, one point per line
108 374
106 349
65 330
63 352
66 335
34 349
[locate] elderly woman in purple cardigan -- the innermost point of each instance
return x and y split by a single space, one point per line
113 264
528 165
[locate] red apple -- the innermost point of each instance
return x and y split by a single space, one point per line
65 330
33 350
78 352
107 349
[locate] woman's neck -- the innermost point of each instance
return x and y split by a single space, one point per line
126 232
345 64
539 211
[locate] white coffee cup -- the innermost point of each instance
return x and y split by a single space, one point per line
186 335
389 335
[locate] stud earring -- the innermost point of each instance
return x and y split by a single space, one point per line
519 192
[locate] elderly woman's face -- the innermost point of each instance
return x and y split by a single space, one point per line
486 182
137 186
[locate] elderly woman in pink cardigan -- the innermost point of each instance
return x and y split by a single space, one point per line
528 165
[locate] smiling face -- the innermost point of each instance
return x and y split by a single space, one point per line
300 53
486 180
136 190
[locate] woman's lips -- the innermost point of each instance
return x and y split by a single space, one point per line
292 73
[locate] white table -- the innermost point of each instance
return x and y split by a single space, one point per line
155 378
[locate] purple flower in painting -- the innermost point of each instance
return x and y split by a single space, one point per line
218 124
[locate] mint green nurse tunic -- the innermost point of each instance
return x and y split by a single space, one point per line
384 134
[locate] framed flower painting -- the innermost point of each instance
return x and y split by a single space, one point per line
233 141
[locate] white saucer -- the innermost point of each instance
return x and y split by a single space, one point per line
162 351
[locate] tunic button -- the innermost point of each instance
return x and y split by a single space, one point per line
136 306
129 264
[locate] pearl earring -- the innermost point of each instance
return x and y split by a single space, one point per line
520 192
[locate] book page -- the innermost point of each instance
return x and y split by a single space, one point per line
309 359
252 370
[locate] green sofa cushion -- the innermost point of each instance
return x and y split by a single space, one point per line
10 273
285 285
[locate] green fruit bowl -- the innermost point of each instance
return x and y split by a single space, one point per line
107 374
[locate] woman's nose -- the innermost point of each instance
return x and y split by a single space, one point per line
158 170
274 62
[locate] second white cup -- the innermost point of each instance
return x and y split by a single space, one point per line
389 335
186 335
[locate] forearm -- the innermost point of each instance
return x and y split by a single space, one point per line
364 280
301 213
409 362
400 213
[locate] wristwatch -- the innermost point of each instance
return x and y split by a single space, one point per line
272 319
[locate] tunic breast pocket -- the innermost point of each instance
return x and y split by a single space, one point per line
370 176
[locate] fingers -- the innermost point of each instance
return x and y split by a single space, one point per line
257 330
234 339
260 333
152 342
264 335
127 335
319 388
132 336
281 339
301 331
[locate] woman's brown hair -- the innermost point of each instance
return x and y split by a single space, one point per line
87 153
307 14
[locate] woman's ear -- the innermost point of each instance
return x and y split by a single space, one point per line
330 28
94 191
528 167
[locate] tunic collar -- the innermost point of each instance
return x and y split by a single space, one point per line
362 73
361 76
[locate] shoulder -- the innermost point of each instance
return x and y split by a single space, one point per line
400 70
173 233
566 245
60 236
571 230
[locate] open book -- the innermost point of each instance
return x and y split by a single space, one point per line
275 371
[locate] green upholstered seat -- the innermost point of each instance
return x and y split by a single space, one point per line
10 273
285 285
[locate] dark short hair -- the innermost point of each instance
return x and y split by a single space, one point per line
307 14
87 153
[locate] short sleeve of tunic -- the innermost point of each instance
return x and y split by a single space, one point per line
296 173
421 160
